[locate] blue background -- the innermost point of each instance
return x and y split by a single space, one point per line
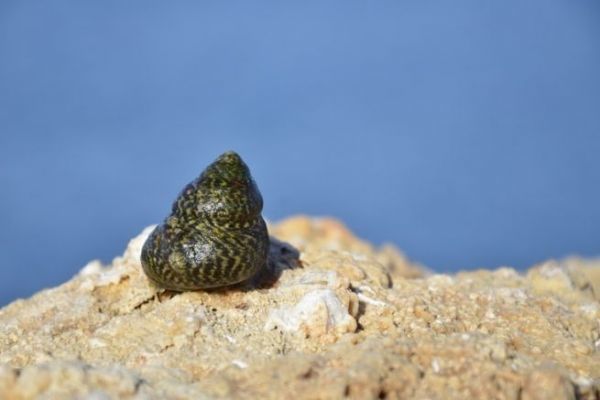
465 132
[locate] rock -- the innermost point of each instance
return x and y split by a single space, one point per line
332 316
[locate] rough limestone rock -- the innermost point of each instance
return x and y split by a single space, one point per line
331 317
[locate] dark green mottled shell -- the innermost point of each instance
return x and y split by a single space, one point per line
215 235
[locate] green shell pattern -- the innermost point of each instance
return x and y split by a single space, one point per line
215 235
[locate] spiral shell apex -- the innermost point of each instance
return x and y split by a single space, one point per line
215 235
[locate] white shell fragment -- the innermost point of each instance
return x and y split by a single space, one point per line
317 313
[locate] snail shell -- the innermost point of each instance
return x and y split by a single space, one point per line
215 235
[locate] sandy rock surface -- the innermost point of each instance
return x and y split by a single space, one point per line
332 317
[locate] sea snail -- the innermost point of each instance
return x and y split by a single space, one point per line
215 235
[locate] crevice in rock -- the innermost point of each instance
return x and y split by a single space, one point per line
138 384
167 347
382 394
144 302
347 390
159 297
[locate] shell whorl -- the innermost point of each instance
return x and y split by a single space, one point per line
215 235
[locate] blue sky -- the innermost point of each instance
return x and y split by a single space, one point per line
467 133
